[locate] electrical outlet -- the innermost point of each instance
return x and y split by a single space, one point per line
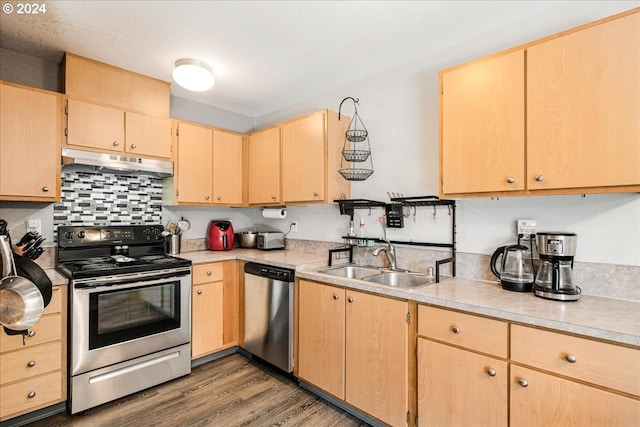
294 226
34 225
527 227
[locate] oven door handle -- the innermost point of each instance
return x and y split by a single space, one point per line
130 280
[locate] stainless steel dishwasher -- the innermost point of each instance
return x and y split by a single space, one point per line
268 311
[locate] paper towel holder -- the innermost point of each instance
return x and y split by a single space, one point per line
274 212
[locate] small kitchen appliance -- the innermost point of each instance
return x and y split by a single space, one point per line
516 268
220 236
268 240
555 277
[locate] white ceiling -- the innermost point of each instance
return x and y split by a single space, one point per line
266 55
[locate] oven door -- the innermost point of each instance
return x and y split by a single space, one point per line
113 320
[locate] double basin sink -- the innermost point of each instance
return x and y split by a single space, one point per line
394 278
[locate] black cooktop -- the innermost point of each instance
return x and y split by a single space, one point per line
107 266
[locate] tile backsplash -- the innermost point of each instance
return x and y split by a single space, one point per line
94 198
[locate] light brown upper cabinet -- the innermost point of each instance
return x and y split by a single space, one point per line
263 169
193 166
482 147
30 121
311 152
107 129
581 106
227 168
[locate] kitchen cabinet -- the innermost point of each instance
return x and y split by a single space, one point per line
227 168
311 153
482 143
462 369
583 104
580 101
354 345
263 169
107 129
30 135
33 371
193 168
585 382
215 307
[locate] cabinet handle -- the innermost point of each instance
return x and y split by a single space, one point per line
31 394
199 291
273 197
32 333
316 194
208 273
455 330
523 382
350 299
511 180
206 197
219 198
335 296
133 145
491 372
31 363
539 178
116 143
45 189
571 358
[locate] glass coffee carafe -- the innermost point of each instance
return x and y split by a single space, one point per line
555 276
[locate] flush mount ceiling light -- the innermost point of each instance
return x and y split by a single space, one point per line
193 75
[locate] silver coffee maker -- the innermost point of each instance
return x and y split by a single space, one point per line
555 276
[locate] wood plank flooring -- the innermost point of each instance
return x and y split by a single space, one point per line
232 391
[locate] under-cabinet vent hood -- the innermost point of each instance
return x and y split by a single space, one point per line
116 163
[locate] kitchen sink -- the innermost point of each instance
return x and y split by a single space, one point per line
351 271
402 280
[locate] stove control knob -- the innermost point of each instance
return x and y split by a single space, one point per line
68 235
81 234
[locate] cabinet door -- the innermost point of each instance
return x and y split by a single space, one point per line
148 135
29 144
194 164
264 166
95 126
583 104
546 400
206 325
321 340
304 159
377 356
227 168
460 388
482 129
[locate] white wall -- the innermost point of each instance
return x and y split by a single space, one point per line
400 109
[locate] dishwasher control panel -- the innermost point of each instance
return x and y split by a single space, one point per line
270 272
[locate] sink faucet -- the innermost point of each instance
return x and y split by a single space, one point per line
390 251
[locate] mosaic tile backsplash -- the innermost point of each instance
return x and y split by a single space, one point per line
94 198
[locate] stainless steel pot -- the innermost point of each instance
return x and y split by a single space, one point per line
21 303
247 239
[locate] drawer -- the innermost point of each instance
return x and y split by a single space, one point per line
31 394
465 330
29 362
55 306
48 328
203 273
608 365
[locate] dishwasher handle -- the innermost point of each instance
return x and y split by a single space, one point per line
269 271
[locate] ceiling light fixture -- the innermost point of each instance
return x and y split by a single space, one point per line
193 75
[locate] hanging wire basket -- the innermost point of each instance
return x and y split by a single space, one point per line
356 135
355 155
355 174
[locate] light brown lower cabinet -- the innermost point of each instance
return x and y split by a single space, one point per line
33 373
354 345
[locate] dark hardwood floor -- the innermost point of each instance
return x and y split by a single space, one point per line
232 391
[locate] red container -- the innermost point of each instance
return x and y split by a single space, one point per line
220 235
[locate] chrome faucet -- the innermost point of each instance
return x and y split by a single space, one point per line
390 251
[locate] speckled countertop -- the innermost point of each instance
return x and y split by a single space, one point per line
605 318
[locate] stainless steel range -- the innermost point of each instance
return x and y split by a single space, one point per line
130 311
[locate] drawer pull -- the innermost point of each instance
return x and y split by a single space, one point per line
350 299
523 382
455 330
335 296
45 189
31 394
491 372
571 358
31 363
32 333
116 143
511 180
208 273
199 291
133 146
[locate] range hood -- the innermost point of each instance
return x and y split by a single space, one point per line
116 163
